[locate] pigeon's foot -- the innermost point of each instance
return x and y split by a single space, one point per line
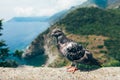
72 69
68 67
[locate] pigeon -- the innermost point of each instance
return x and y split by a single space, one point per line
72 50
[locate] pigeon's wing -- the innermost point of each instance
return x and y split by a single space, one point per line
75 51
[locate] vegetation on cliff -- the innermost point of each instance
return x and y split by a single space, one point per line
36 48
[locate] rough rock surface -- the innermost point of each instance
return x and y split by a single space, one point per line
45 73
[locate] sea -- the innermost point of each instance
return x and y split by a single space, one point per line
18 35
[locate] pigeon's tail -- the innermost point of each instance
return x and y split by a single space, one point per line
91 60
94 61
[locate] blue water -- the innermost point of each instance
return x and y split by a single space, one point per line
35 61
18 35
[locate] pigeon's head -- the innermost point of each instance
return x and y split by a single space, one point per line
57 33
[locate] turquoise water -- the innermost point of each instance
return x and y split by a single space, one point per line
37 61
18 35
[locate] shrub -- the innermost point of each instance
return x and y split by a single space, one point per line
100 46
9 63
87 67
112 62
18 53
103 51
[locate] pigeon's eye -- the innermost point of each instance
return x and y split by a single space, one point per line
56 32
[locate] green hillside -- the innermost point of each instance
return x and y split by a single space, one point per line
98 30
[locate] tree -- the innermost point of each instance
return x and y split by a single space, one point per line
4 53
18 53
3 47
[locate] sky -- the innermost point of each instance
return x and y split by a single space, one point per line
25 8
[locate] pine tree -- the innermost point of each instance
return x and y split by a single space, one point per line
3 47
4 53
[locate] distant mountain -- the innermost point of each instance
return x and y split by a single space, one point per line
95 3
113 3
88 3
101 3
29 19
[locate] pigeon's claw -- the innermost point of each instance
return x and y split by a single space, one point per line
72 69
68 67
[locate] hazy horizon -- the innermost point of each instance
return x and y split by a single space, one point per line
11 8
